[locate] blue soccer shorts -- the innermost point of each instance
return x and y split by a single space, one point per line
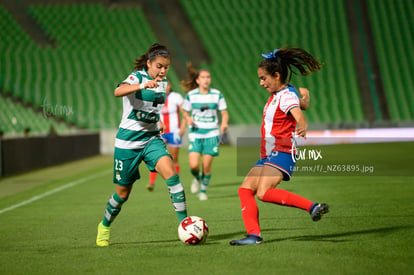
284 162
172 139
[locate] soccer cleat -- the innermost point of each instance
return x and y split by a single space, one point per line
150 187
195 186
317 210
250 239
202 196
102 239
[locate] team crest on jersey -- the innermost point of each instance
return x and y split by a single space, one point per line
118 176
164 85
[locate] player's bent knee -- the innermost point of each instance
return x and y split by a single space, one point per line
260 195
123 191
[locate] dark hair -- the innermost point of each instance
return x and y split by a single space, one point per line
288 61
153 51
192 73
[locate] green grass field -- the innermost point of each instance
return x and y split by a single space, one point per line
49 217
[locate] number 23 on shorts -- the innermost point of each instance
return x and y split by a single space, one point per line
119 165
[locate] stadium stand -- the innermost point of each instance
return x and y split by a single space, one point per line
392 25
94 48
244 29
15 118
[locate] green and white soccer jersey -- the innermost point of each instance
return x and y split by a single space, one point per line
141 113
203 108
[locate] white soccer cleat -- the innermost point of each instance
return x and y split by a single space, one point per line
195 186
202 196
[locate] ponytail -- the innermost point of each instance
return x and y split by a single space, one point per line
192 75
287 61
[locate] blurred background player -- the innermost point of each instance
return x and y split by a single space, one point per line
138 138
173 129
204 103
282 113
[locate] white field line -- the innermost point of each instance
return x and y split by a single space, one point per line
51 192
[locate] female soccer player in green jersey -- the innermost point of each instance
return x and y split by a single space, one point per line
138 138
204 103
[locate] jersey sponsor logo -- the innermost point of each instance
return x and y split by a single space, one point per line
204 107
144 116
151 96
147 117
158 99
204 119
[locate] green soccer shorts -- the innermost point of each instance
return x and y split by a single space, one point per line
127 161
206 146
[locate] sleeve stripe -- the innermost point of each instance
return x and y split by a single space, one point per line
291 107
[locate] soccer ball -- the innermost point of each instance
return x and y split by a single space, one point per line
193 230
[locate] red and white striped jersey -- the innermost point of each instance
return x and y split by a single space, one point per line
278 124
170 113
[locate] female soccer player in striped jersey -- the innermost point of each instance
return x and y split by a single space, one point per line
204 103
138 138
173 128
282 120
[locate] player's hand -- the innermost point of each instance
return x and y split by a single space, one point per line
223 128
151 84
176 136
161 125
190 121
301 131
194 126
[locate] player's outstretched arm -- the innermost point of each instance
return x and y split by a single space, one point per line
126 89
